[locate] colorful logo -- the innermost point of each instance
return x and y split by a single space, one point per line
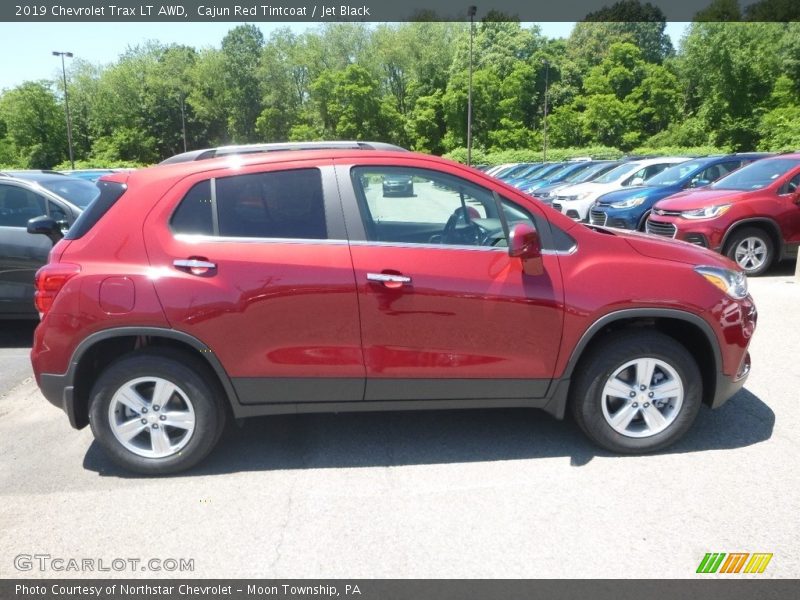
735 562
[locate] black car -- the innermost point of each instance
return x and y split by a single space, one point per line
24 196
398 185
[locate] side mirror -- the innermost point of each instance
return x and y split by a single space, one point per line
796 196
46 226
524 243
637 181
696 183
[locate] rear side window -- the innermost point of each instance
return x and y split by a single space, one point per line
194 215
17 205
278 204
110 192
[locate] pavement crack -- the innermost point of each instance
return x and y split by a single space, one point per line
284 526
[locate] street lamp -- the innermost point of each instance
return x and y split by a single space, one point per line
546 78
66 103
471 11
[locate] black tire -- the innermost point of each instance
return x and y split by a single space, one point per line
643 221
751 232
190 375
603 360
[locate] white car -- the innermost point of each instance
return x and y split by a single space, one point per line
575 200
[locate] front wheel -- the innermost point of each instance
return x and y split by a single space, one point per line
154 412
636 392
751 249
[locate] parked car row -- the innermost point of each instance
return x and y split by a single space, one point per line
742 205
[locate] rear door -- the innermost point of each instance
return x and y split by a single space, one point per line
254 263
446 313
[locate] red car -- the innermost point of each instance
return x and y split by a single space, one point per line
752 215
281 282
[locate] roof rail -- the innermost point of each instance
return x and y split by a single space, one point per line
279 147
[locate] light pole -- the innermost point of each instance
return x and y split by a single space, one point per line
66 103
471 11
546 77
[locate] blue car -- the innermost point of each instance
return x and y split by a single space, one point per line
527 171
629 208
535 175
547 193
566 173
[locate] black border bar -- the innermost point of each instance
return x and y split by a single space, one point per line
732 588
322 11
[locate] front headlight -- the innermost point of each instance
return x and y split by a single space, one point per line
733 283
709 212
578 196
629 203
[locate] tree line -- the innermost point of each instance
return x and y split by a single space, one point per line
620 86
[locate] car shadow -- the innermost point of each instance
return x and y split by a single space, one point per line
781 269
17 334
389 439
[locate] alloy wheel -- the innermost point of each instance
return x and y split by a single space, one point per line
642 397
151 417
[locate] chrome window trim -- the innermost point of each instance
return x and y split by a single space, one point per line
202 238
429 246
569 252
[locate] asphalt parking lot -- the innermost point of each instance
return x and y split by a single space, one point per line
505 493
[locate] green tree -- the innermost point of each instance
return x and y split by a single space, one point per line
35 126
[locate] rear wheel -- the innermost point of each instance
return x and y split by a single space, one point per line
752 249
156 412
636 392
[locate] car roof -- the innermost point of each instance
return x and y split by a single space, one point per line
242 149
35 175
33 185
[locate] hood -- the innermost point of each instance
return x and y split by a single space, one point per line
699 198
580 188
660 248
553 187
632 192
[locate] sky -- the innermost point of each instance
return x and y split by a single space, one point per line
27 48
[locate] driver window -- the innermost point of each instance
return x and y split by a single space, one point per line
792 185
419 206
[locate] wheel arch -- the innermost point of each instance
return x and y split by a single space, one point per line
764 223
693 332
100 349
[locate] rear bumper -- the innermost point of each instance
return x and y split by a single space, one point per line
58 390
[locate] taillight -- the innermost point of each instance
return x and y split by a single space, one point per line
49 281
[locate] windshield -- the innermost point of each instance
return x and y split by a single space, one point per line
676 174
546 171
531 170
77 191
756 175
620 171
513 171
570 171
591 172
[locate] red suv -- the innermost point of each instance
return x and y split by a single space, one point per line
290 282
752 215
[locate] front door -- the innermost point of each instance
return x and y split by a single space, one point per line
446 313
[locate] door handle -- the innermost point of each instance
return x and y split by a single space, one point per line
389 280
196 266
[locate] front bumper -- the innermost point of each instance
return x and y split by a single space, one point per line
728 385
605 216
